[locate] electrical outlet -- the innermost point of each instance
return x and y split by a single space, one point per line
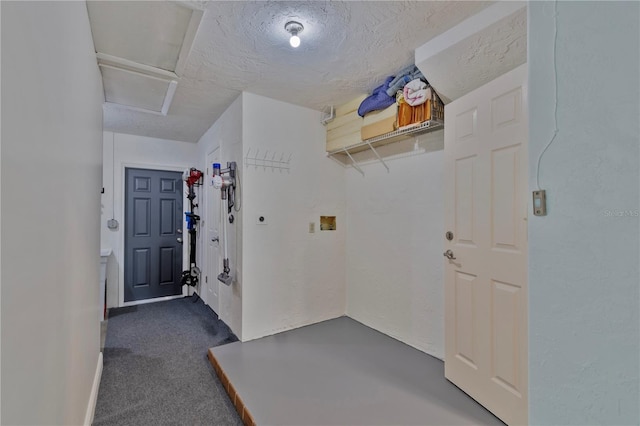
312 227
261 219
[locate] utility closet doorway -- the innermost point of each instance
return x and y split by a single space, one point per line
153 234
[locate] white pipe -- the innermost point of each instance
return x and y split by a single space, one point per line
224 225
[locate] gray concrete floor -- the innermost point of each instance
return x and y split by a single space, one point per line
340 372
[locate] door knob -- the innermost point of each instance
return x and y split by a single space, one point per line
179 231
179 239
213 240
449 255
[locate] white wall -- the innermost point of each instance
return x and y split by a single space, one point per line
133 151
0 226
51 180
226 134
583 262
291 278
395 240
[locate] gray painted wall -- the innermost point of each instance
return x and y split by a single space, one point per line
583 262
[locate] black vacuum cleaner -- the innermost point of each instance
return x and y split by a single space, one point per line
191 276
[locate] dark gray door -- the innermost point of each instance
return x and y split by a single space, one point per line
153 224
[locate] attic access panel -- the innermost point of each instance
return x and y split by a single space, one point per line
137 90
147 32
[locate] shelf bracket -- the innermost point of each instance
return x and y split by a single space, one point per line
354 163
424 127
378 155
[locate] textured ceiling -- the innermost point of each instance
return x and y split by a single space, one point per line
347 48
489 52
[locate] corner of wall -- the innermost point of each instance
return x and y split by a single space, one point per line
291 277
394 271
226 136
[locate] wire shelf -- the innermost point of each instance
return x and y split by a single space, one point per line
415 129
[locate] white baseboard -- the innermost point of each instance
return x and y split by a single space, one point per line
93 398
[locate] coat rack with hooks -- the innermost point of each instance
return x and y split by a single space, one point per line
268 160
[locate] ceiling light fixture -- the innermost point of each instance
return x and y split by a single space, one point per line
294 28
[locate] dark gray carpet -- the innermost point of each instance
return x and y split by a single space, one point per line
156 369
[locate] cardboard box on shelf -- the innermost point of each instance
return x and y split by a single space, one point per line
379 128
378 123
344 130
375 116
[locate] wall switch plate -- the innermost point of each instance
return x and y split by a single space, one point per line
540 203
261 219
312 227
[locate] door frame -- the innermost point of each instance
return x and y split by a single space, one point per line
121 255
205 248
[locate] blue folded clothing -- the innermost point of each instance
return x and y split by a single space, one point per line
405 76
405 71
378 99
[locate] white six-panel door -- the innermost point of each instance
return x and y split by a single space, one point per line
486 134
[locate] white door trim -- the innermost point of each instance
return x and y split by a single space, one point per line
213 279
